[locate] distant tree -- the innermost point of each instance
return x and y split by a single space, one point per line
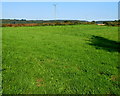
23 19
66 21
93 22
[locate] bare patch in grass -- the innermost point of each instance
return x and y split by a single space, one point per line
39 82
115 78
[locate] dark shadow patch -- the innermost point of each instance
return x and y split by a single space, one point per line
84 70
118 67
104 73
105 44
2 69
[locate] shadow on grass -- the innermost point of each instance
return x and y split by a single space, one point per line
105 44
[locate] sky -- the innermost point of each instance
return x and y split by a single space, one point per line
90 11
60 0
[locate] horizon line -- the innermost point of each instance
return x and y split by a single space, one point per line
59 19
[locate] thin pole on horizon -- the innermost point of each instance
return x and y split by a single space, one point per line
55 10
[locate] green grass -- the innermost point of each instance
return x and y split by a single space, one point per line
76 59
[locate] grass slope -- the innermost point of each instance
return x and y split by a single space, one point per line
60 60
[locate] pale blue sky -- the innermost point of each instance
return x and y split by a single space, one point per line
65 10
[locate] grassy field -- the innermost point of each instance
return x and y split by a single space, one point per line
76 59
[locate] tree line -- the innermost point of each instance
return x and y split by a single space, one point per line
24 22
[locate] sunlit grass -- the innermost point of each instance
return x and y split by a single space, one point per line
60 60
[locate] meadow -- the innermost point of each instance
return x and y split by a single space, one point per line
71 59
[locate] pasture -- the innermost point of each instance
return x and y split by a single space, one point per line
71 59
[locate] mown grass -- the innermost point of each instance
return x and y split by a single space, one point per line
60 60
